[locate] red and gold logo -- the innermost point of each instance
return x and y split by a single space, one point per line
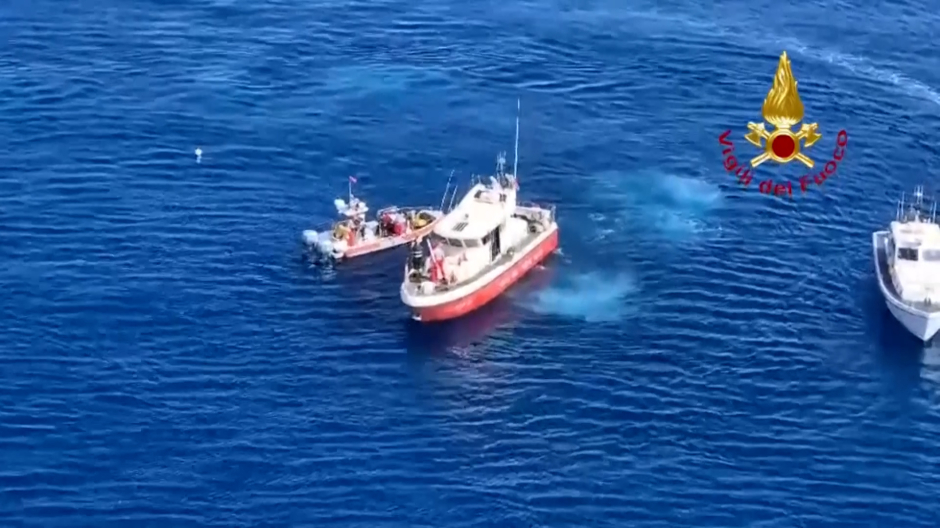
783 109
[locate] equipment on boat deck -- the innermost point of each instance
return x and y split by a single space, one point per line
416 260
482 247
355 235
421 220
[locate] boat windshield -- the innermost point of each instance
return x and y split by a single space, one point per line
930 255
452 242
907 254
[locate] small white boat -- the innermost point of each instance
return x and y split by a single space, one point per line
354 236
907 260
478 250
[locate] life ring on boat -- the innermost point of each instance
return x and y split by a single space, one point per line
425 218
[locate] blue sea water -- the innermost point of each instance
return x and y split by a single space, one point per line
697 355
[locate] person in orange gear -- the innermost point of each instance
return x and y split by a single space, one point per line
353 232
437 263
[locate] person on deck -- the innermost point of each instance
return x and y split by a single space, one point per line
437 263
385 225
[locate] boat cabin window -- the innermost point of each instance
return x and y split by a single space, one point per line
471 242
930 255
489 196
907 254
452 242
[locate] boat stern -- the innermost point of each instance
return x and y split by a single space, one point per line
427 302
417 293
324 245
923 326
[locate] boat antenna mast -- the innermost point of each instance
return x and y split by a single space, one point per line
916 210
446 190
929 214
918 203
515 161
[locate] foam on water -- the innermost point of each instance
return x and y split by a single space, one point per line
676 206
864 68
859 66
656 20
592 297
351 81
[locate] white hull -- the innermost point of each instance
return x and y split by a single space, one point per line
924 327
921 322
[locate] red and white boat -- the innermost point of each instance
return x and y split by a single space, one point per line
478 250
354 235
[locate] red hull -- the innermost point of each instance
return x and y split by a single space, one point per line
485 294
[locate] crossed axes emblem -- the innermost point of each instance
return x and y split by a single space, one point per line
782 145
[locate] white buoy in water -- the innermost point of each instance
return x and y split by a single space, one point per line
198 155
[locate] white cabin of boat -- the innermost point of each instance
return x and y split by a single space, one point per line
477 236
914 259
483 227
477 231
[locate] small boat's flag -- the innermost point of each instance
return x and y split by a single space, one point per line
352 179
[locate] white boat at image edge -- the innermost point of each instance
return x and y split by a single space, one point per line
479 249
354 236
907 260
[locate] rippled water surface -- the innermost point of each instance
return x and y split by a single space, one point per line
697 355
